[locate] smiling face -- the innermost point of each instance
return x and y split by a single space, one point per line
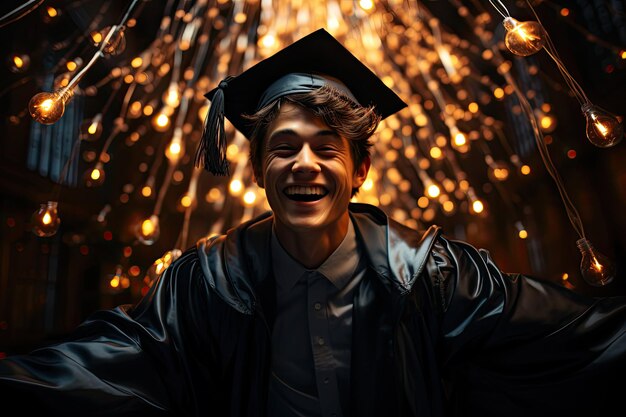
308 173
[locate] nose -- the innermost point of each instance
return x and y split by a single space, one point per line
306 161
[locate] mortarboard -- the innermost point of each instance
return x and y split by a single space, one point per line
309 63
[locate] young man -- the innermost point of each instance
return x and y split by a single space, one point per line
323 307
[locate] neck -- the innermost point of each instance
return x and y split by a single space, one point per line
312 247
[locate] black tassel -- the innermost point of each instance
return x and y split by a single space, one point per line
212 148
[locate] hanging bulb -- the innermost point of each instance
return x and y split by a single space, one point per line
603 128
115 45
46 220
18 62
47 108
524 38
176 147
597 269
161 264
96 176
147 232
91 129
171 96
498 170
459 140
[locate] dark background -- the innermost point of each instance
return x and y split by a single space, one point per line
48 285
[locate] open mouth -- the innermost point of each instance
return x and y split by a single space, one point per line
305 193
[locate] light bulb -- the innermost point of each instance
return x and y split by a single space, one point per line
171 96
161 264
147 232
46 221
176 147
498 171
115 45
524 38
603 128
19 62
95 177
596 269
459 140
91 129
47 108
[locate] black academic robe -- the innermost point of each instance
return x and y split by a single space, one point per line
439 330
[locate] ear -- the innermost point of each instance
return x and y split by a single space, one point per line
360 174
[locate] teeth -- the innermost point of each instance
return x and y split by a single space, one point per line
309 190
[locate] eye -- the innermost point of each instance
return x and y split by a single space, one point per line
282 149
327 149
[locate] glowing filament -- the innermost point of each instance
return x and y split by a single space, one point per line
93 128
95 174
147 227
524 38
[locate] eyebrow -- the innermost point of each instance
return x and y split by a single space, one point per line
320 133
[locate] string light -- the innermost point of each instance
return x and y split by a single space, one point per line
148 231
19 63
524 38
47 108
91 129
45 221
115 45
603 128
96 176
175 149
597 270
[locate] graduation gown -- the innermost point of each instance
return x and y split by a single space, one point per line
439 330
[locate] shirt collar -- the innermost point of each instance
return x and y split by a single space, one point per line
338 268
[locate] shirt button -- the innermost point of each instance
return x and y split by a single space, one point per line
317 306
326 380
320 341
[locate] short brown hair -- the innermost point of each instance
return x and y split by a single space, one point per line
349 119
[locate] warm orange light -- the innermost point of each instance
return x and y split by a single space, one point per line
433 191
460 139
366 4
368 184
186 201
249 197
423 202
95 174
136 62
524 38
147 227
46 219
478 206
525 170
235 187
435 152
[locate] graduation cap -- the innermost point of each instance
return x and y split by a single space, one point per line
313 61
